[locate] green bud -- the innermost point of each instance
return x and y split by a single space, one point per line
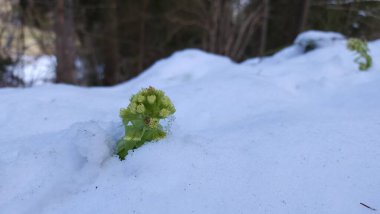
165 101
132 108
164 112
140 108
140 98
151 99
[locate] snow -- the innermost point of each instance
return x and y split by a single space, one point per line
320 38
35 70
291 134
307 41
40 70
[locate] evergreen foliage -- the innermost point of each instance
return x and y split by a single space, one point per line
142 119
361 48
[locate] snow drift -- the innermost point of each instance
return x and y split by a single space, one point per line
293 133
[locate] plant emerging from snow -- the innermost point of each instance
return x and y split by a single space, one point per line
361 47
142 119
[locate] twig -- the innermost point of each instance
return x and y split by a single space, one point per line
365 205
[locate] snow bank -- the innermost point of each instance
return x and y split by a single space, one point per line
182 67
299 135
318 38
305 42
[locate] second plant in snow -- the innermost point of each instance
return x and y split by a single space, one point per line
361 48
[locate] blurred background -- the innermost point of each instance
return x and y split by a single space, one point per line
105 42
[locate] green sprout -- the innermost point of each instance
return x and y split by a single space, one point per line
361 47
142 119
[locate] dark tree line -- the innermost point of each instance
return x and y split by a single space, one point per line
115 40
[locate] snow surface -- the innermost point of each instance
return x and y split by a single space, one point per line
292 135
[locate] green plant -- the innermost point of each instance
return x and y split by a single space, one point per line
361 47
142 119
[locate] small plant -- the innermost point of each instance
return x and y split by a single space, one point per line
361 47
142 119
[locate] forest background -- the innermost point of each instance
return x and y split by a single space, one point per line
98 43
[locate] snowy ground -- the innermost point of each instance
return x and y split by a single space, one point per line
293 133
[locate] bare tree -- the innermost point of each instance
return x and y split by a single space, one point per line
227 25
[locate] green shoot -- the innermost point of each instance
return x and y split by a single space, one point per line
141 119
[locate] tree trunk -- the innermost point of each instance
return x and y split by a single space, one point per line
142 38
305 15
214 26
264 28
111 58
65 42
